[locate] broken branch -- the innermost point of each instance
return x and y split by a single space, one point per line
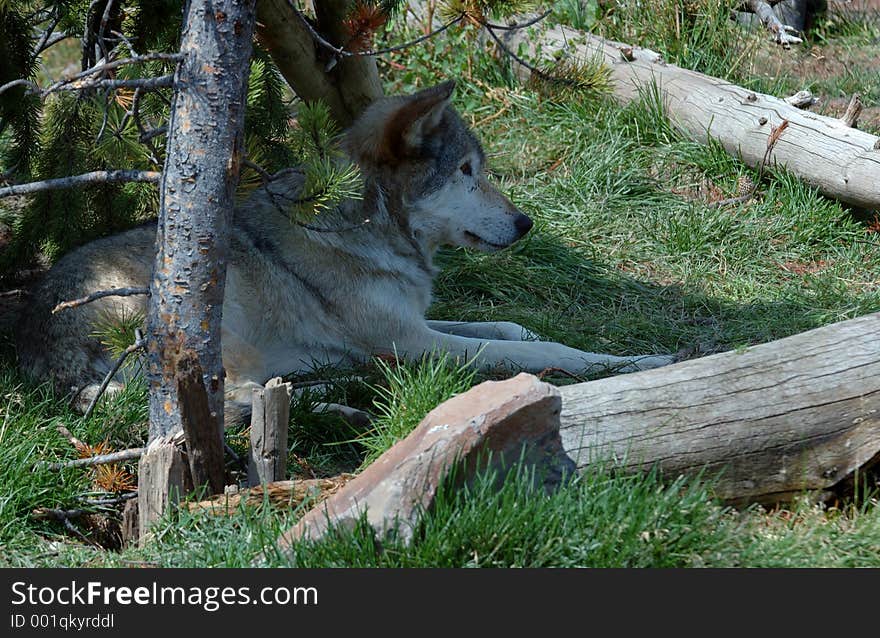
138 344
95 177
113 292
98 459
853 111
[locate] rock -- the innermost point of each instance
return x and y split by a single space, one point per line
494 424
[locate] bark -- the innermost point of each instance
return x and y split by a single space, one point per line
839 161
347 85
201 171
797 414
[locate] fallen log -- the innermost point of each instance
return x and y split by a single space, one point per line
841 162
281 494
778 419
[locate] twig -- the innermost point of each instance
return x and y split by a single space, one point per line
240 462
159 82
55 39
105 18
136 115
14 83
50 513
772 139
116 500
107 66
67 434
802 99
106 109
98 459
88 37
138 344
128 43
539 72
561 371
41 44
146 136
262 172
114 292
521 25
64 517
95 177
739 199
76 85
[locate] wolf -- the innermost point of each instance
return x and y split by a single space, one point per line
352 285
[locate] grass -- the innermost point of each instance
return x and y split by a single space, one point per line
627 256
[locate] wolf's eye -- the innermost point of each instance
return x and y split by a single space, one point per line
466 168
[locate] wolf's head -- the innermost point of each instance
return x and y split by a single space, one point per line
431 170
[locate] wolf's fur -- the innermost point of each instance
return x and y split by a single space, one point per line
295 296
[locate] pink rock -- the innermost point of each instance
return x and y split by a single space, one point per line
496 422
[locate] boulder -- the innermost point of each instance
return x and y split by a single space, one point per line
490 427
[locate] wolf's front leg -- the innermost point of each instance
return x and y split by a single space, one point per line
238 405
493 330
531 356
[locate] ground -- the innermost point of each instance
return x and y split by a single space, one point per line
627 256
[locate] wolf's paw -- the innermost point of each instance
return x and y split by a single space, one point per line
83 397
649 362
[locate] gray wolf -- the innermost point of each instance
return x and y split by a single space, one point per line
353 284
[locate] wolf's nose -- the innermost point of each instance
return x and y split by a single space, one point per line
523 223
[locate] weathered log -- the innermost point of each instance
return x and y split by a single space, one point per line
840 161
767 423
270 415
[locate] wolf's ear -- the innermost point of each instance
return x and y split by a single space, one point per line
419 116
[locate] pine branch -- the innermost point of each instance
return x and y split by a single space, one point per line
517 27
95 177
341 52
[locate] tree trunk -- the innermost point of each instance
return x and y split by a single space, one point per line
347 85
801 413
201 172
839 161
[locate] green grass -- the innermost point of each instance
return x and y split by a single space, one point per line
409 393
627 256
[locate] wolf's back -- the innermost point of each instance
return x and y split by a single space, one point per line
62 347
